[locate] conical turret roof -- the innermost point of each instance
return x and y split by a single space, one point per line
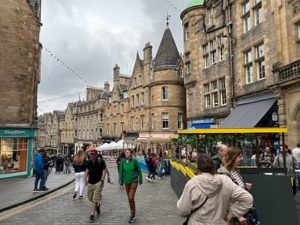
167 55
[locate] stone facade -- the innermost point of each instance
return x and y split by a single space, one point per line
49 135
151 102
20 62
261 43
66 130
89 117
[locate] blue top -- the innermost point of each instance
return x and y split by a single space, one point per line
38 162
80 168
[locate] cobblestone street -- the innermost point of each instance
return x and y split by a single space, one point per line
156 204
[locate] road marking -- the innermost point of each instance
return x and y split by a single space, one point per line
35 203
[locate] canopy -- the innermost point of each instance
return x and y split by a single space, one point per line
256 130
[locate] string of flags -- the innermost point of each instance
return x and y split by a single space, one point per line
62 97
65 65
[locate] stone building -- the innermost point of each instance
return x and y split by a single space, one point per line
66 130
52 131
41 134
148 106
89 117
19 77
242 64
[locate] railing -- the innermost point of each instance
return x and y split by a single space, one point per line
289 71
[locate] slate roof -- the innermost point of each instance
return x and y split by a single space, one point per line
167 55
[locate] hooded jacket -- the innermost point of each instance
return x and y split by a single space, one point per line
223 196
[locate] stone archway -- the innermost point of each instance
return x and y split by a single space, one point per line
294 128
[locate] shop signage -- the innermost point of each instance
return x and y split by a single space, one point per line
15 132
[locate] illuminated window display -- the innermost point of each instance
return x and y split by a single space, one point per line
13 153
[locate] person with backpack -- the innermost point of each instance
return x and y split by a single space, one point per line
94 179
130 175
266 158
39 182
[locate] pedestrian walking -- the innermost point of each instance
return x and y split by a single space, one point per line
59 163
232 160
147 161
95 176
221 152
79 165
152 167
67 164
296 155
46 169
39 171
119 159
130 174
209 198
290 164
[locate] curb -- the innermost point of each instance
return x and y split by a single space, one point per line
35 197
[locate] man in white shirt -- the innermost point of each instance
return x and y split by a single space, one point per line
296 156
296 153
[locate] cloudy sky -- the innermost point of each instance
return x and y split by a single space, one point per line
83 40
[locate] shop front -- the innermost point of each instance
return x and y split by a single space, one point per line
16 151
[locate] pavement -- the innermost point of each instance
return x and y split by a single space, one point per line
155 202
17 191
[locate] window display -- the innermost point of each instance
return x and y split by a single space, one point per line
13 153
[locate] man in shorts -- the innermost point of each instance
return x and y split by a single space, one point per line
94 179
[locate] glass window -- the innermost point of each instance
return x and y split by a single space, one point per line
13 153
260 61
298 30
222 53
222 83
165 94
101 117
142 98
165 120
206 88
137 99
258 14
186 31
246 16
215 99
205 49
248 67
152 121
207 101
214 85
206 61
213 57
180 121
223 97
188 68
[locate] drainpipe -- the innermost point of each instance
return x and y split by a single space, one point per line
231 63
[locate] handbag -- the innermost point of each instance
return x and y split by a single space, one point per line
194 210
252 217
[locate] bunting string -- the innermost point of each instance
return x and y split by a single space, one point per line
62 97
65 65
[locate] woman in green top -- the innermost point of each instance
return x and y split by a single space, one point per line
130 174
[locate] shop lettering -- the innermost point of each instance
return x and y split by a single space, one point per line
14 132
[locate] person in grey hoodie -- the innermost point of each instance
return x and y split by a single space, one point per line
221 199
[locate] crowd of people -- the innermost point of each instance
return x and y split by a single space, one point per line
218 189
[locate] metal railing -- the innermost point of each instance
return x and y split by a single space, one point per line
289 71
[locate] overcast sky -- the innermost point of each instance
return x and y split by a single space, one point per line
91 36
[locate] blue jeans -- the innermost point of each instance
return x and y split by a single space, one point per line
39 178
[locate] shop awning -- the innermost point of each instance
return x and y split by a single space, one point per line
248 114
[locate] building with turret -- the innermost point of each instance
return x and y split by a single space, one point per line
241 64
148 106
20 56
